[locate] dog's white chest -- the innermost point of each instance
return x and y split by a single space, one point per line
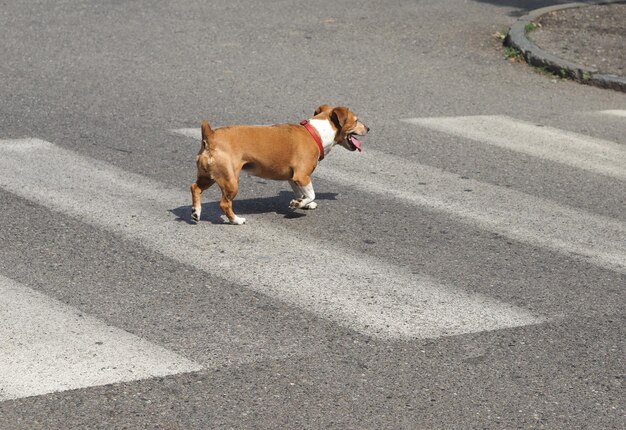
325 131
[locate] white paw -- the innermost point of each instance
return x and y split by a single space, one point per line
311 206
295 204
195 214
238 220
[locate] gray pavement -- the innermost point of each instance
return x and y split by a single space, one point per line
465 271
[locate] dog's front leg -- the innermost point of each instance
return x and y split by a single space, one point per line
296 190
304 195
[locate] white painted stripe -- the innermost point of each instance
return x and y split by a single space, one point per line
47 346
614 112
577 150
519 216
362 293
194 133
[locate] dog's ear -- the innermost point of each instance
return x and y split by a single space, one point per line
321 109
339 116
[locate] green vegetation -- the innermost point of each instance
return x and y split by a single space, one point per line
512 53
500 35
530 27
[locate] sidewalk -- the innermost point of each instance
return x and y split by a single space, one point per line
587 43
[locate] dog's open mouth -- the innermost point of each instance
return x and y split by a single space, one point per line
354 143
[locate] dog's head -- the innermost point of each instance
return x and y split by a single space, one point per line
346 125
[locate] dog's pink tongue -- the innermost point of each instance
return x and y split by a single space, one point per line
354 141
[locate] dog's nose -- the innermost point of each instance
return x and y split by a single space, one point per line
367 129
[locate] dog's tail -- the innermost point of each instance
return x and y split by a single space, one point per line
207 134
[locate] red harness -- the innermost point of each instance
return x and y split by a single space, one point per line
313 132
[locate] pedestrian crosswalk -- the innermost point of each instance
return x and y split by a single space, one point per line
48 346
512 213
583 152
369 296
336 284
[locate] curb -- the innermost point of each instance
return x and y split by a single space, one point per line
535 56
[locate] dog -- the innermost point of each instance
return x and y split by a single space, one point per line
283 152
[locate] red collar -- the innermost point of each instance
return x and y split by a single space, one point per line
315 137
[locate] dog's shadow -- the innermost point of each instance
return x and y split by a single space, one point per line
278 204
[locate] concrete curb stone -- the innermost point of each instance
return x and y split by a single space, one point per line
535 56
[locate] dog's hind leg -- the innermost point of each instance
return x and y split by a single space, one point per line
229 191
201 184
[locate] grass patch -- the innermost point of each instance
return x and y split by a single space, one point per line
512 53
530 27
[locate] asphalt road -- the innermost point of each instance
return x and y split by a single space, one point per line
467 270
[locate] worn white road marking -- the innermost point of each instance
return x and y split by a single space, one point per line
357 291
47 346
614 112
194 133
517 215
577 150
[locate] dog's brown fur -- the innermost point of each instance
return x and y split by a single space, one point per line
285 152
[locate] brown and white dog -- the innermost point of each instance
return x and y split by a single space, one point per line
284 152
